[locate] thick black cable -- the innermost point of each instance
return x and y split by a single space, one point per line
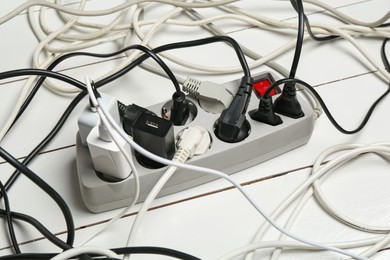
38 226
125 250
42 72
8 218
179 45
297 4
385 60
323 105
60 59
48 138
47 189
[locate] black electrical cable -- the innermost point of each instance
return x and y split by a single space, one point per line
384 56
125 250
47 189
8 218
297 4
325 108
60 59
179 45
47 139
42 72
38 226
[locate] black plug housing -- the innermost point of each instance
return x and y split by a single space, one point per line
129 114
287 103
179 110
232 125
155 135
265 113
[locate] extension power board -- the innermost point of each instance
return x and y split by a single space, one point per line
264 142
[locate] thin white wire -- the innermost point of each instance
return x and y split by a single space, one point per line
347 18
70 253
98 104
351 151
146 205
333 29
295 246
129 161
114 9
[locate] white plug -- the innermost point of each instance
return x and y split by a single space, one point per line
213 97
106 156
89 117
194 140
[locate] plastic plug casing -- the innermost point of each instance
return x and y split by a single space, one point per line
232 125
155 135
89 118
129 115
107 158
179 110
265 113
287 103
212 97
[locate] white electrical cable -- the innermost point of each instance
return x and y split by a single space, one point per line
114 9
70 253
134 173
194 140
347 18
295 246
98 104
351 151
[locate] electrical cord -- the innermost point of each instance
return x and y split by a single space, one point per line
297 4
385 60
325 108
115 9
47 189
145 250
8 218
179 45
135 174
96 55
38 226
195 140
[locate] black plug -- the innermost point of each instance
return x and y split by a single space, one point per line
156 135
129 114
232 125
179 110
287 103
265 113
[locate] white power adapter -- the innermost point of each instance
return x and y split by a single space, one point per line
89 118
106 156
107 159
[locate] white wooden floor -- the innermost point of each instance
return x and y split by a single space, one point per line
208 221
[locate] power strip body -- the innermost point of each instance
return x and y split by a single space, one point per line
264 142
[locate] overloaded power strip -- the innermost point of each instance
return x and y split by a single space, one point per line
102 192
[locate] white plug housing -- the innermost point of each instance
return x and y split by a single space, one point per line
106 156
89 118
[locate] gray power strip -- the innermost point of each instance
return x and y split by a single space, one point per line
264 142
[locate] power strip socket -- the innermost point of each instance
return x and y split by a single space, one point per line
264 142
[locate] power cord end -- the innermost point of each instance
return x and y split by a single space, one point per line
232 125
194 140
179 110
212 97
265 113
287 103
